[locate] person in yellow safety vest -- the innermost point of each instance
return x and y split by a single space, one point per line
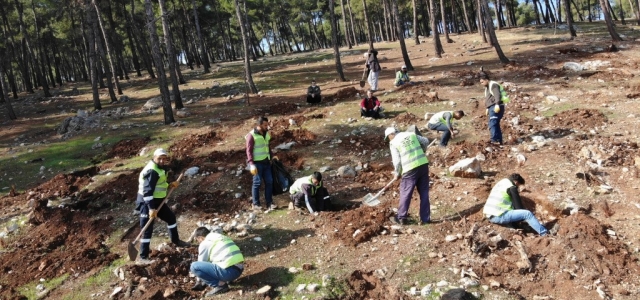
494 103
410 162
219 261
152 189
259 159
402 77
309 187
441 121
505 207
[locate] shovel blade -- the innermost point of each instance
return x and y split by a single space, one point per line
370 200
133 252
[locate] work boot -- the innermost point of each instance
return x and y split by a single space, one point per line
554 229
144 261
199 286
181 243
217 290
256 207
397 221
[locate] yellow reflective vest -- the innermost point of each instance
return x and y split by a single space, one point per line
499 200
296 187
160 190
411 153
503 94
223 251
260 146
439 118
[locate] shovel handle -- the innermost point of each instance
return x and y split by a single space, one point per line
159 207
384 188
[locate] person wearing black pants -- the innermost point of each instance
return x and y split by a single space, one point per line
303 190
313 93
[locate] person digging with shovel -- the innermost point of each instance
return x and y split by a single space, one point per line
412 165
152 189
219 261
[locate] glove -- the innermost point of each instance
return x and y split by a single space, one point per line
174 185
253 169
316 214
396 176
486 112
153 213
275 158
496 108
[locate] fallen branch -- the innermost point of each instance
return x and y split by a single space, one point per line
524 264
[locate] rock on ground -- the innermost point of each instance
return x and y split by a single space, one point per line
467 168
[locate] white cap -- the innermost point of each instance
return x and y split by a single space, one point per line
403 67
366 54
388 131
159 152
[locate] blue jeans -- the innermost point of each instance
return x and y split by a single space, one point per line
494 123
212 274
264 174
518 215
446 134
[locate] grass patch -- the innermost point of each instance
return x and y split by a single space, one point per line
100 280
30 292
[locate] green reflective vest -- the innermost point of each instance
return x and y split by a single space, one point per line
439 118
223 252
499 201
296 187
260 146
411 153
162 184
503 94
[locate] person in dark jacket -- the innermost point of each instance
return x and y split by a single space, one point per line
494 106
373 67
310 188
313 93
370 106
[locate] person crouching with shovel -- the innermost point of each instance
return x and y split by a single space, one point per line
412 165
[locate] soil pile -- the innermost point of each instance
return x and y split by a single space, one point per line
220 202
127 148
358 225
286 123
302 137
227 157
576 118
365 285
284 108
185 146
407 119
291 160
68 241
169 266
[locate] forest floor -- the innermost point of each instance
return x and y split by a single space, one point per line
68 199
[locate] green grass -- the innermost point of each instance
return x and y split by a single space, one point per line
30 292
99 280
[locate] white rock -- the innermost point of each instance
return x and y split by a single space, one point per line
413 291
293 242
294 270
442 283
257 239
426 290
263 290
191 171
468 282
312 287
552 99
285 146
573 66
326 280
324 169
115 292
467 168
521 159
346 172
300 288
450 238
538 139
153 103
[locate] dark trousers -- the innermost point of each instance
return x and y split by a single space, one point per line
418 177
315 99
164 214
494 123
374 113
321 200
446 134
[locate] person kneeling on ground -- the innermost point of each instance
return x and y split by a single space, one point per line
309 187
219 261
505 207
402 77
370 106
313 93
442 122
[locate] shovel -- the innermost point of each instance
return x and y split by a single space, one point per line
131 248
364 73
372 200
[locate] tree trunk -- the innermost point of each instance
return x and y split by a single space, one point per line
637 9
610 9
132 45
5 94
157 59
535 10
567 8
559 11
142 44
481 29
497 9
415 23
93 64
454 22
334 40
29 51
400 32
621 13
434 25
353 28
466 16
589 10
108 47
444 23
203 52
346 25
366 21
245 42
386 19
171 56
488 24
105 62
607 18
424 7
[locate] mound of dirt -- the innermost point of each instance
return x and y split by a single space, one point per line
302 137
577 118
185 146
70 242
169 266
541 72
64 185
228 157
220 202
407 119
581 254
124 188
286 123
291 160
365 285
284 108
127 148
359 225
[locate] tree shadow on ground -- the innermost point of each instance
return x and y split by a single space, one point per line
459 215
271 239
273 276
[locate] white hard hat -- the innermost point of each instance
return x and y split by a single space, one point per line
403 67
388 131
159 152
